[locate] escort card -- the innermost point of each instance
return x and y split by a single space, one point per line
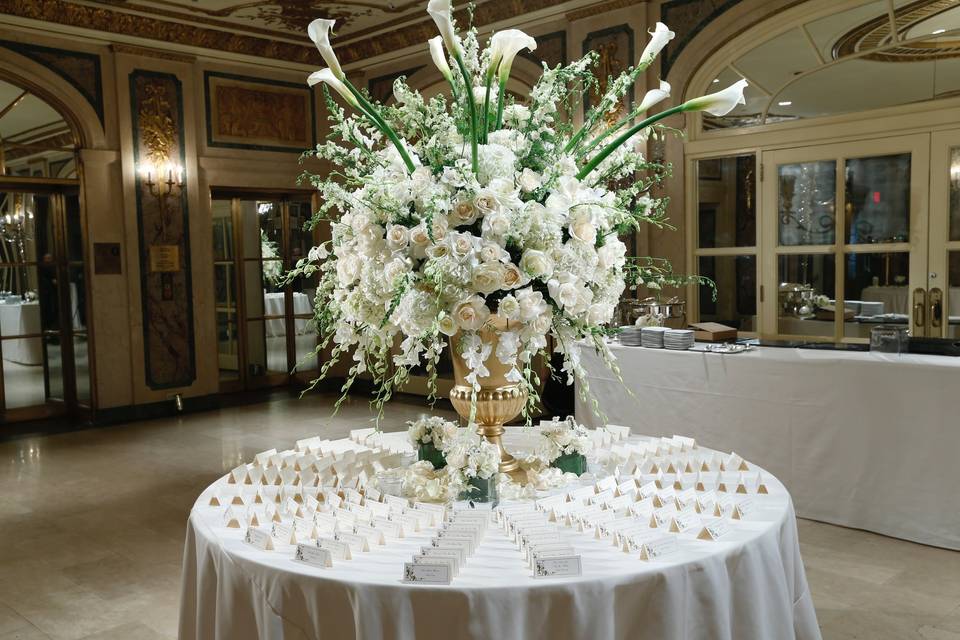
743 507
332 500
258 538
356 542
283 532
683 522
723 506
662 517
372 495
352 495
714 529
461 547
546 549
263 458
238 475
545 504
648 490
373 535
338 549
396 502
557 567
409 521
427 573
658 547
389 528
231 518
453 555
314 555
581 494
607 483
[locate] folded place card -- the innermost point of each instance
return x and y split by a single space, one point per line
452 555
714 529
396 502
262 459
658 547
237 475
339 549
231 518
683 522
607 483
557 566
742 508
314 555
373 535
372 495
389 528
356 542
427 572
284 532
259 538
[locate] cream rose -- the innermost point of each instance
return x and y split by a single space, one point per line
464 213
583 229
536 264
419 237
398 236
541 324
492 252
460 245
471 314
486 203
447 325
529 180
509 308
512 277
497 224
488 277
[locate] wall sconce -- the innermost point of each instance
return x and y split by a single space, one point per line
162 180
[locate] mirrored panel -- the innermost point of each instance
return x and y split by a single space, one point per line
23 372
807 284
53 349
266 347
878 199
953 295
876 290
955 193
807 203
228 347
306 344
726 194
736 280
81 358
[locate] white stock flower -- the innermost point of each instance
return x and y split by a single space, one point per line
654 96
471 314
439 57
659 38
720 103
536 264
440 11
504 47
319 31
328 76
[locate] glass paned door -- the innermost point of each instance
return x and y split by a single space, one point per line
43 324
942 293
264 328
850 240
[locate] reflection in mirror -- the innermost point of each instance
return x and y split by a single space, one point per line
22 371
876 290
807 285
953 295
878 199
726 192
736 279
82 366
807 203
955 193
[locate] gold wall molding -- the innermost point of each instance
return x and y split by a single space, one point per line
598 9
148 52
876 33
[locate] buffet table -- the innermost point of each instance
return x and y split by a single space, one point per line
747 584
860 439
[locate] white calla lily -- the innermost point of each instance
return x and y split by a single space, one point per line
659 38
442 13
654 96
328 76
319 31
440 57
720 103
504 47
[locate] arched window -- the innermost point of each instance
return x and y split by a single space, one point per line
35 140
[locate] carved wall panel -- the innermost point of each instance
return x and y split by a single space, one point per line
615 49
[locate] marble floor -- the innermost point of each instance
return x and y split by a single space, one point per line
92 528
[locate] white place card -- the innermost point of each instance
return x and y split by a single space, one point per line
396 502
373 535
338 549
743 508
658 547
609 482
263 458
453 555
648 490
583 493
356 542
313 555
714 529
427 572
284 532
557 566
259 538
683 522
389 528
462 547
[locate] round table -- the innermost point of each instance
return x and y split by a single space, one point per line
749 584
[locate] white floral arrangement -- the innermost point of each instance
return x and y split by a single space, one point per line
272 266
422 482
468 456
451 212
431 430
563 437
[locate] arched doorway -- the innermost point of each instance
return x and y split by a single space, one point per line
44 341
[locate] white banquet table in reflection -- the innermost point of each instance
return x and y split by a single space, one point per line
860 439
747 585
21 319
273 305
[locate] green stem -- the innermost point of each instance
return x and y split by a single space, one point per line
500 97
371 112
596 112
623 137
472 104
486 108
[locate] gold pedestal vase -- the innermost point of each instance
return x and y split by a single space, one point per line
498 401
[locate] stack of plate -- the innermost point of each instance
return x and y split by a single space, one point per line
630 335
652 337
678 339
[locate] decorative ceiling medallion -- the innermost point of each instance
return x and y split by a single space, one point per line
876 33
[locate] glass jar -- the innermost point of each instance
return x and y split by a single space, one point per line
429 452
571 463
889 338
481 490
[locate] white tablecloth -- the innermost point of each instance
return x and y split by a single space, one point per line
749 585
21 319
896 299
863 440
273 305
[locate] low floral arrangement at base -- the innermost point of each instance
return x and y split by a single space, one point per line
565 445
428 435
450 210
471 470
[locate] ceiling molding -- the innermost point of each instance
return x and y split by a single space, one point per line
148 52
589 12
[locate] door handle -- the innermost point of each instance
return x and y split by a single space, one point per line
936 308
919 310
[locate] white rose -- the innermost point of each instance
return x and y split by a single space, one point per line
512 277
492 252
348 269
516 115
447 325
509 308
398 236
486 203
438 251
440 227
394 269
531 303
599 314
461 245
419 237
529 180
611 254
497 224
564 292
471 314
541 324
583 229
536 264
488 277
464 213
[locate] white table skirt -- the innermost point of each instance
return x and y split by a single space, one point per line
748 586
21 319
273 305
863 440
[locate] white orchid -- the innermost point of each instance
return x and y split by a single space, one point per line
659 38
335 83
442 13
319 31
440 57
720 103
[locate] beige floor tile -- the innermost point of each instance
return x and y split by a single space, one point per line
132 631
25 633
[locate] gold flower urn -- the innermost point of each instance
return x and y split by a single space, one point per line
498 400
